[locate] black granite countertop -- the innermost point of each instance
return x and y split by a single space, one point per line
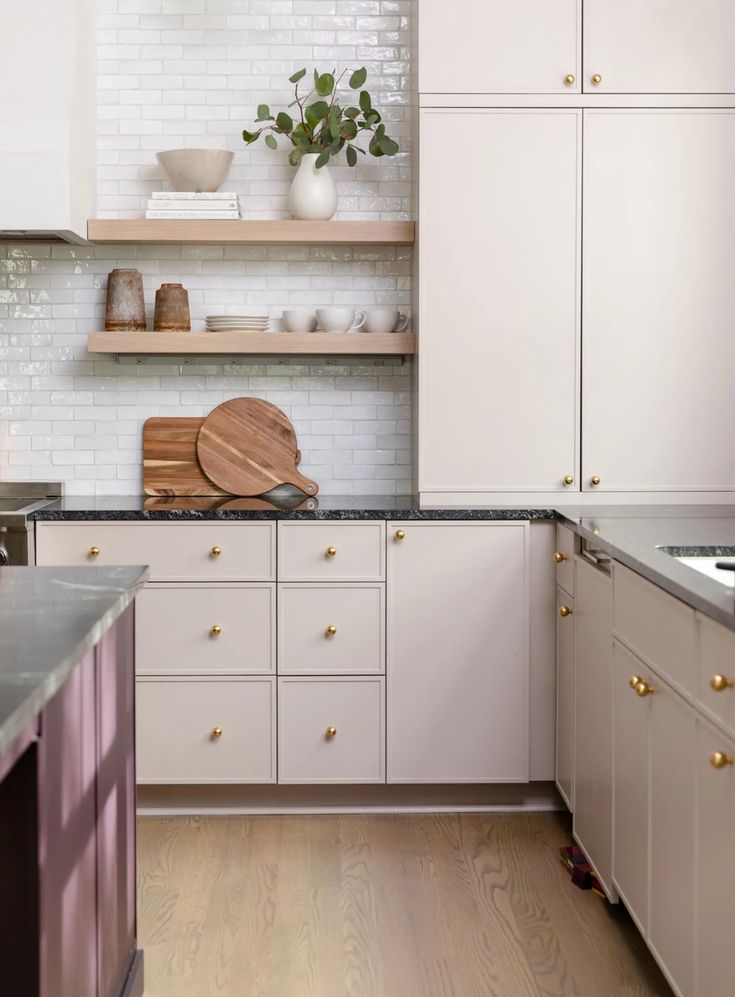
49 619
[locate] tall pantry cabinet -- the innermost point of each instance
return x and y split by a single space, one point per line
574 243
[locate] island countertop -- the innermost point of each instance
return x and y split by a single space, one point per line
49 619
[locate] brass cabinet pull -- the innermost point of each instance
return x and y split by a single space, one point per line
400 534
331 732
215 630
596 79
559 558
94 552
216 733
330 631
719 760
570 79
568 479
565 611
215 551
643 689
331 551
719 683
595 479
634 680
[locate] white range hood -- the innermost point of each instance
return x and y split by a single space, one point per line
48 170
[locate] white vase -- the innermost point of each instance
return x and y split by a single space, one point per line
313 194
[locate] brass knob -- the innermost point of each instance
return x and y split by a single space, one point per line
331 551
565 611
94 552
330 631
597 79
559 558
215 551
215 630
718 683
634 680
400 534
719 760
568 479
642 689
331 732
595 479
570 79
216 733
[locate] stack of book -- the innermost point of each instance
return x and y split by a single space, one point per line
188 204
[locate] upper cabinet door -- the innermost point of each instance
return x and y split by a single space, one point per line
658 365
499 300
658 46
499 46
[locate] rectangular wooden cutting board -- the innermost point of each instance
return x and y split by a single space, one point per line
170 463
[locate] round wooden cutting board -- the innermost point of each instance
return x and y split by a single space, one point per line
247 446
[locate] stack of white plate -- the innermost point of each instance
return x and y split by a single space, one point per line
231 323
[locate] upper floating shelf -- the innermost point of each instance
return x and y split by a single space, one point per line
254 343
120 230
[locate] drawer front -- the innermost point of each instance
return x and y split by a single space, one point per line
331 629
331 552
189 629
176 719
310 707
716 678
566 547
659 628
174 551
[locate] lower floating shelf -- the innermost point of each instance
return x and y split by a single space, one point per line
346 344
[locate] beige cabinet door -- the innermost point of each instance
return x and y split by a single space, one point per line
659 46
499 46
630 785
659 354
593 717
457 665
565 697
499 283
715 906
673 795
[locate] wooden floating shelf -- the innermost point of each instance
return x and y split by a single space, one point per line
121 230
255 343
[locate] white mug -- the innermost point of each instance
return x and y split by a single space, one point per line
340 319
299 320
385 320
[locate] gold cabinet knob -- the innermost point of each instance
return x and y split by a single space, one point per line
330 631
331 732
565 611
215 630
642 688
331 551
400 534
94 552
559 558
634 680
719 760
216 733
596 79
595 479
719 683
215 551
570 79
568 479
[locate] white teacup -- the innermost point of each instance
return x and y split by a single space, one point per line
385 320
340 319
299 320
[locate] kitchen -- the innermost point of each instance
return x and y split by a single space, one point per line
416 500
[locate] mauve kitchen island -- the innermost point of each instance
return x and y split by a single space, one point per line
67 782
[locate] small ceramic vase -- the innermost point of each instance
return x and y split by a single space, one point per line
125 309
313 194
172 309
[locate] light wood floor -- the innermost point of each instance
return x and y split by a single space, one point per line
377 906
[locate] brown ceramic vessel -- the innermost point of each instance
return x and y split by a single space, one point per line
172 309
125 310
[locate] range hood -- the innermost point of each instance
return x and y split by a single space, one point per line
48 171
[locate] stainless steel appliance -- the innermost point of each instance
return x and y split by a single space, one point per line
17 500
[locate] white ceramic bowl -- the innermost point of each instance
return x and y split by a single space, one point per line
299 320
202 170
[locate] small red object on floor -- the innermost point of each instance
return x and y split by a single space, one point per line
575 861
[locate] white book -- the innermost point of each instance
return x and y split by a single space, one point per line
212 215
192 195
169 204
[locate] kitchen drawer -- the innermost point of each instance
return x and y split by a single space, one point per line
186 629
307 644
331 551
659 628
308 708
566 547
716 668
175 721
174 551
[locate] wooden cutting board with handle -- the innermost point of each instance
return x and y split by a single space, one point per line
246 446
170 464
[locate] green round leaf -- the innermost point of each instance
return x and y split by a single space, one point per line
271 142
358 78
388 146
317 111
324 84
264 113
250 137
348 130
297 76
351 156
365 101
322 160
284 122
352 112
295 155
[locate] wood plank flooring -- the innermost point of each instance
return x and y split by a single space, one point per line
443 905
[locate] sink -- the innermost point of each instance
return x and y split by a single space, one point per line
705 561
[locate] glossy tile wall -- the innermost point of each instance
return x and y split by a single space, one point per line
177 73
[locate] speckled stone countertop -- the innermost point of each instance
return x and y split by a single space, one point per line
131 508
49 619
647 539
